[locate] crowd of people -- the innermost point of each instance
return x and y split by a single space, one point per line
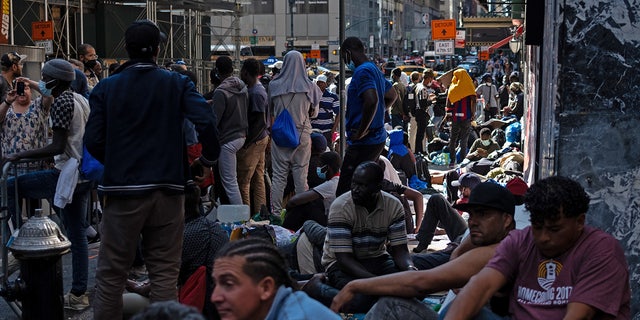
516 251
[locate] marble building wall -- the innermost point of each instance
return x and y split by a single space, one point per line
587 118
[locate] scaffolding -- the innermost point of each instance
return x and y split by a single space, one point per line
186 23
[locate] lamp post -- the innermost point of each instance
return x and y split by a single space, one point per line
292 10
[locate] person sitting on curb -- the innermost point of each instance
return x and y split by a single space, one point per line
314 203
491 210
558 268
440 211
482 147
366 237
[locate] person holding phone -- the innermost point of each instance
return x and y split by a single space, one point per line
24 122
11 64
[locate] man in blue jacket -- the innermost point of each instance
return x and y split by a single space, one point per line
135 130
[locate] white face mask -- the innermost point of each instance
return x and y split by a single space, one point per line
486 143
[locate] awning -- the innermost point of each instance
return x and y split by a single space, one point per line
506 40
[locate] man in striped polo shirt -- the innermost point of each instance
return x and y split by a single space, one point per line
329 108
360 224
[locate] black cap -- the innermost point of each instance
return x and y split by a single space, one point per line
469 180
11 58
142 37
489 195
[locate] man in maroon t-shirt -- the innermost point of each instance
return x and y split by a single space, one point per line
557 268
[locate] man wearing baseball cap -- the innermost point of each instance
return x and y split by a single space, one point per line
136 130
329 108
491 209
11 67
440 211
559 268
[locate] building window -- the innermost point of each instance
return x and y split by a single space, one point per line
312 6
318 6
260 7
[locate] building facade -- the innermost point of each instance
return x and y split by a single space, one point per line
387 27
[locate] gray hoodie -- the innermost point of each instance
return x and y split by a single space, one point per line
230 102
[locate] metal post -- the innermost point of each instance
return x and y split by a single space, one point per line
343 93
171 32
11 20
292 5
66 14
236 37
81 22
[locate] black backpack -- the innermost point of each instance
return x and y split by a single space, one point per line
409 102
422 168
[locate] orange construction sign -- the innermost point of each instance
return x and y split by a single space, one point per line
484 55
443 29
315 54
42 30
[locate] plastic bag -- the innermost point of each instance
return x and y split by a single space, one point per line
91 168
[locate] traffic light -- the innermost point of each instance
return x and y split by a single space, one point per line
334 52
391 24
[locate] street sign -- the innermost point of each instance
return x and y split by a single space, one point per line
333 42
315 46
42 30
443 47
484 55
46 44
443 29
315 54
460 37
253 40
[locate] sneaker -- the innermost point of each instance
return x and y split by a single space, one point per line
76 303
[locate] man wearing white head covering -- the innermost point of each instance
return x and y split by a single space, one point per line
292 90
329 109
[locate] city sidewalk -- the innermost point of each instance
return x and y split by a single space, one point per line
7 314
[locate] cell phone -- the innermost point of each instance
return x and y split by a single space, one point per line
20 88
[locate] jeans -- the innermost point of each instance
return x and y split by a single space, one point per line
42 185
422 121
378 266
33 185
392 308
438 210
484 314
227 166
426 261
459 132
354 156
74 218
